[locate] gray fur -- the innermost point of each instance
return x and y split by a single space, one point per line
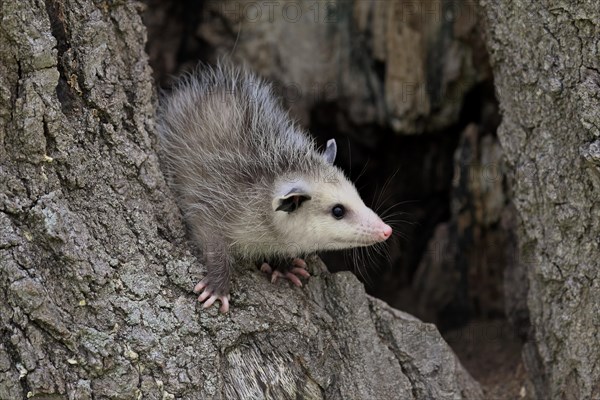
233 156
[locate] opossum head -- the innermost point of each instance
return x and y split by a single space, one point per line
324 211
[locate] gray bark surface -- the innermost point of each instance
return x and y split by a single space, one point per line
546 59
96 272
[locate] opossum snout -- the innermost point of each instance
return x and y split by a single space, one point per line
382 232
378 230
385 232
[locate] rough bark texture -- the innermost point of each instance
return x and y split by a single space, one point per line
96 273
546 59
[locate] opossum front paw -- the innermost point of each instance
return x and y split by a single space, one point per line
292 273
209 296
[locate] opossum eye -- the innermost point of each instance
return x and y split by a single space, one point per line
338 211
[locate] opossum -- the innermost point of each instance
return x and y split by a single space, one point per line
251 183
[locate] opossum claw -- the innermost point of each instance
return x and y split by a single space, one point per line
199 286
293 278
224 304
210 301
266 268
291 273
205 295
208 298
276 274
300 263
301 272
288 275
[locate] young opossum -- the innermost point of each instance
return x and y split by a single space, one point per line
251 184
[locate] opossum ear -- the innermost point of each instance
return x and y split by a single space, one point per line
330 151
290 201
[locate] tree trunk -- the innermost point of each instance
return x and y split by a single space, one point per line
546 62
96 271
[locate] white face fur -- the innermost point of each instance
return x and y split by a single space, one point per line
324 214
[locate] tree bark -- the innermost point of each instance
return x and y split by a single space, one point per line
96 271
546 62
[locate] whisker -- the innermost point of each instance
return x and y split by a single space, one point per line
385 186
366 265
396 222
403 202
362 171
394 216
356 267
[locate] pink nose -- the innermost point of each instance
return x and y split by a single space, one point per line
386 232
